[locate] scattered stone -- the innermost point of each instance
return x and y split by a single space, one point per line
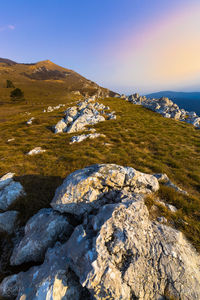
41 232
37 150
10 191
50 108
10 140
8 221
80 138
30 121
89 188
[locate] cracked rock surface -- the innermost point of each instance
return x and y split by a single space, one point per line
116 251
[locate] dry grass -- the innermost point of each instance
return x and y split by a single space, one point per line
138 138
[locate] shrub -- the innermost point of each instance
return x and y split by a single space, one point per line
9 84
17 95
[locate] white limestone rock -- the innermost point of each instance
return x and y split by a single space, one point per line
82 137
10 191
127 256
88 188
37 150
41 232
51 280
60 126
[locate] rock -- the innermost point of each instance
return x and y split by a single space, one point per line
80 138
10 191
51 280
10 140
127 256
162 219
6 180
88 188
60 126
30 121
37 150
166 108
172 208
9 287
87 117
8 221
163 178
41 232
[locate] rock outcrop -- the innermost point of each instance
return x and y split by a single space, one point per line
166 108
92 187
86 113
10 191
116 251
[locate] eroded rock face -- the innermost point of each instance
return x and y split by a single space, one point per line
90 188
51 280
41 232
120 254
10 191
115 252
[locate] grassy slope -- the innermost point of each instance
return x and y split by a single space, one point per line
42 91
138 138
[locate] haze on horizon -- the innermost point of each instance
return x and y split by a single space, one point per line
127 46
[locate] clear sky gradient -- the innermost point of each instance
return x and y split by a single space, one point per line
125 45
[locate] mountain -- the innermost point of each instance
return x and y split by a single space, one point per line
45 80
188 101
7 61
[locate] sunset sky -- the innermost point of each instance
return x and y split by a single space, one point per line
124 45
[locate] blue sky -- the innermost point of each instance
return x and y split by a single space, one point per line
129 45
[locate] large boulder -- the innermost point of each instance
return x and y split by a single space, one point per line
91 187
121 254
41 232
51 280
10 191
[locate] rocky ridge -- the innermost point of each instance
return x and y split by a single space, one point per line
85 113
166 107
99 242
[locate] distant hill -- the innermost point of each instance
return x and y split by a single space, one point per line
188 101
7 61
45 81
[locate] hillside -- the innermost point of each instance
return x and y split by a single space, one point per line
188 101
121 160
44 82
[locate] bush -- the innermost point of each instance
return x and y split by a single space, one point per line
9 84
17 95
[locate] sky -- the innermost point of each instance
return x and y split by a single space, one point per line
125 45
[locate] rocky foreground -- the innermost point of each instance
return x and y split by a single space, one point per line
99 242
